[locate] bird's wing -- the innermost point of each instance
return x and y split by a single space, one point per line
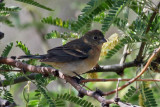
67 53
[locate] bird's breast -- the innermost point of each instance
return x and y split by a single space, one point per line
93 58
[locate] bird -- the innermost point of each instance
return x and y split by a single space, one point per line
75 57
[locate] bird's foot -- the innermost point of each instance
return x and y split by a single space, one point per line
99 92
78 80
80 77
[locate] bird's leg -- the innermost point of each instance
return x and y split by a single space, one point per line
78 80
80 77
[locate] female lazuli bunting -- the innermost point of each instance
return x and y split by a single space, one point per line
77 56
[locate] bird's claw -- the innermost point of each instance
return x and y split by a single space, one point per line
78 80
99 92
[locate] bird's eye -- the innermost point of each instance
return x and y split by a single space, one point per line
95 37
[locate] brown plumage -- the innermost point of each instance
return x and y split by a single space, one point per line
79 55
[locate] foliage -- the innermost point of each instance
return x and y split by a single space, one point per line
93 8
23 47
113 12
32 2
130 93
57 22
65 35
146 98
123 41
8 96
7 50
73 99
5 12
44 92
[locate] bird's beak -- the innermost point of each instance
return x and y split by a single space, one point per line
103 40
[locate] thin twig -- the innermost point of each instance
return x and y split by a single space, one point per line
10 70
125 53
154 81
115 80
142 71
52 71
119 79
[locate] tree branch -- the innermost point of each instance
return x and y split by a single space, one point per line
142 71
139 56
52 71
118 68
5 83
108 68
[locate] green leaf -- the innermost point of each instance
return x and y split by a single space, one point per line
23 47
7 50
113 13
10 9
33 103
34 3
73 99
65 35
57 22
8 96
93 8
125 40
147 96
41 87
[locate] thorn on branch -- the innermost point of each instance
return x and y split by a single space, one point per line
116 99
138 62
120 72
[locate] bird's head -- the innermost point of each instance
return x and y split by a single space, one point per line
94 37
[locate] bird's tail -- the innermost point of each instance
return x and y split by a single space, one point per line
32 57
